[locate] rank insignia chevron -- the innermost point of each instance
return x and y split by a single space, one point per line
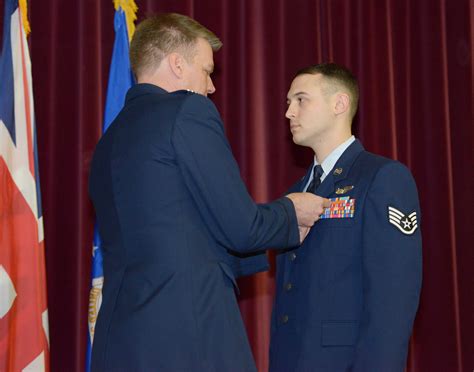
407 224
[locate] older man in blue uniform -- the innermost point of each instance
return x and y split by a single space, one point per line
347 297
175 218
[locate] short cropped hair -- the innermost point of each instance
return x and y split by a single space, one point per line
160 35
337 77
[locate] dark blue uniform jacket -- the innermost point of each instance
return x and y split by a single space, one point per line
177 225
347 297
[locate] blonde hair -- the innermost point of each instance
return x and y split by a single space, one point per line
160 35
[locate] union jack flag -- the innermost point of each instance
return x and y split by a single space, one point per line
24 339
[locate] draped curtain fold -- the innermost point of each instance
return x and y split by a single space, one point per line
413 60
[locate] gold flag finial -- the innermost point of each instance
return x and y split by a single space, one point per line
130 9
24 16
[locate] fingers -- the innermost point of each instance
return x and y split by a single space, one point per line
321 205
325 203
304 231
308 207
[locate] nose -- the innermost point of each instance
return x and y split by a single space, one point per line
290 112
210 86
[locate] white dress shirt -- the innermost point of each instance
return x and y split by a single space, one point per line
330 160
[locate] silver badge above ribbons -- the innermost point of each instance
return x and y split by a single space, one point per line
343 190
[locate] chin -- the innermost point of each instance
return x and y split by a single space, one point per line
296 141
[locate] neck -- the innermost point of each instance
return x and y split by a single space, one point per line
325 145
161 77
165 84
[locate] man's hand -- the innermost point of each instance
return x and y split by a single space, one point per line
308 208
304 231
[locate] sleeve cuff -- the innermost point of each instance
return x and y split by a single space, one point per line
293 231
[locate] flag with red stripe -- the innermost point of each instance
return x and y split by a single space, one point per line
24 340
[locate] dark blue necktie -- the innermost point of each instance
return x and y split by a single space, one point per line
316 181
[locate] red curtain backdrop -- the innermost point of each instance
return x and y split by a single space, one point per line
413 59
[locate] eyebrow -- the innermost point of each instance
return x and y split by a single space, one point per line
209 68
297 94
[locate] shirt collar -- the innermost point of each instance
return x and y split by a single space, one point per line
333 157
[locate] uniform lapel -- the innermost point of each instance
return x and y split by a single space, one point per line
305 179
340 170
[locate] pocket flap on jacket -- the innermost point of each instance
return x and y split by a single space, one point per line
228 272
335 333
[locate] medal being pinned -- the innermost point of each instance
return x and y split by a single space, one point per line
340 208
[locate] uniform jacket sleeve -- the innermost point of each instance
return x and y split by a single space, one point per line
213 179
392 270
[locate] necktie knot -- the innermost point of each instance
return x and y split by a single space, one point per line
316 181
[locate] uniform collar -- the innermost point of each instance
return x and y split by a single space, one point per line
333 157
340 170
138 90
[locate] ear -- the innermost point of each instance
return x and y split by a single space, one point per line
343 103
176 62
